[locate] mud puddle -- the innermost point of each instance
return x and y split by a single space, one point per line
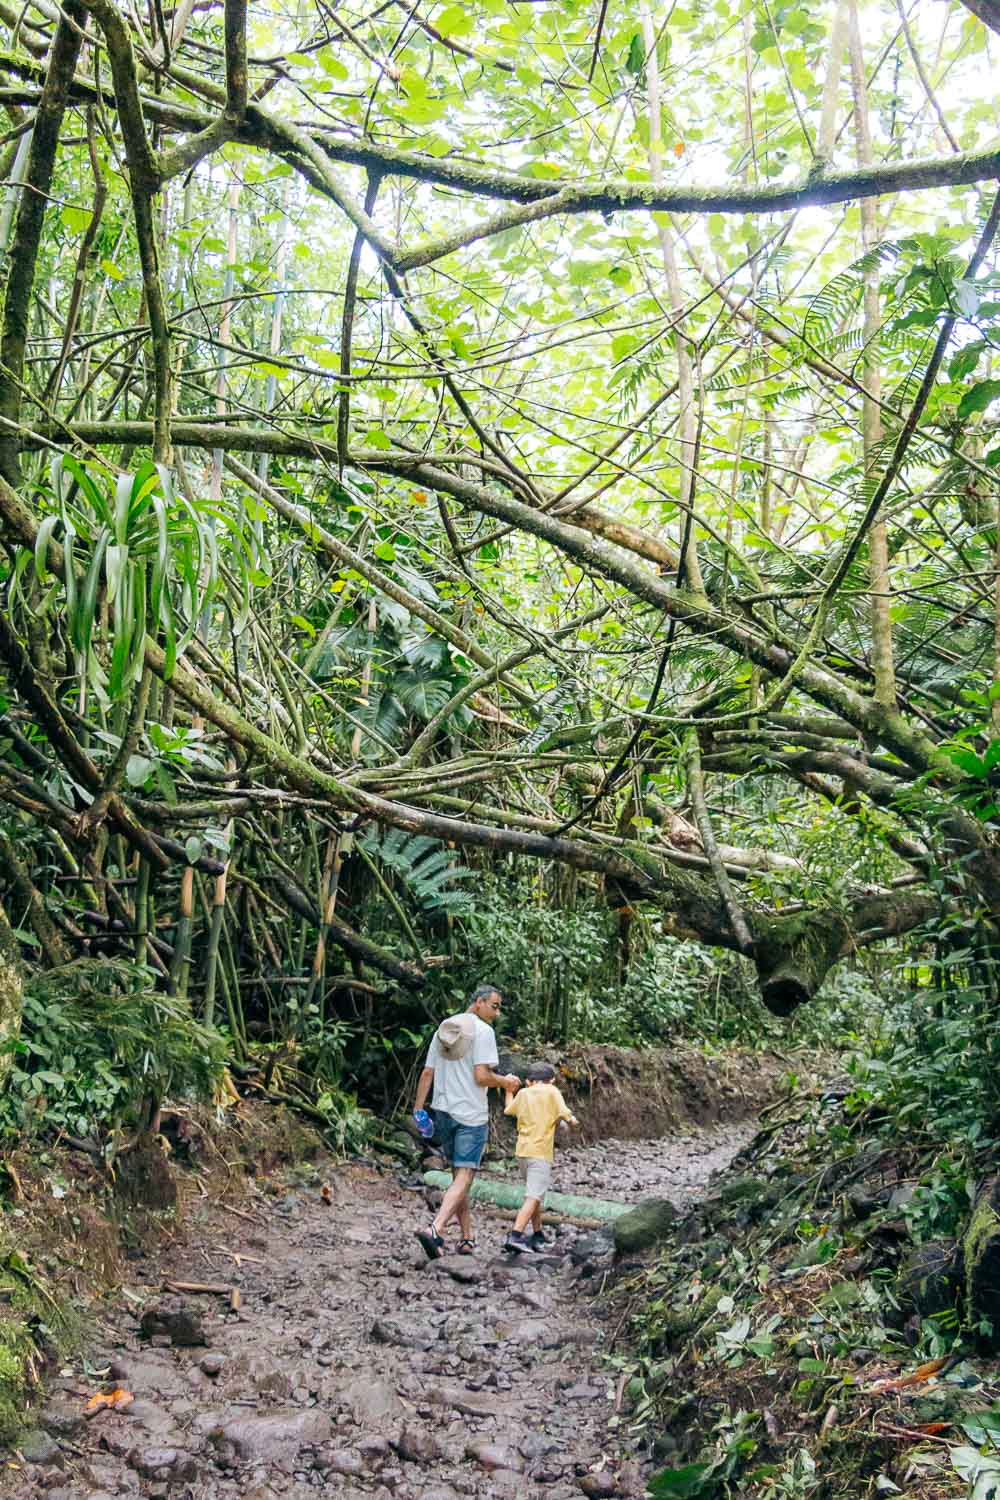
352 1368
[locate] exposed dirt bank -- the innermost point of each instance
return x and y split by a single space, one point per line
621 1093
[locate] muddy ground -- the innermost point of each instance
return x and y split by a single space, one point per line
351 1367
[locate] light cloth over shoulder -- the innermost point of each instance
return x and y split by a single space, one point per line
455 1088
536 1109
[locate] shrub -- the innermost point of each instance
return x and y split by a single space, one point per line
96 1041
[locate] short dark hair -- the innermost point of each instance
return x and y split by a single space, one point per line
542 1072
483 990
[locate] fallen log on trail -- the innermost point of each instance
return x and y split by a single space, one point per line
511 1195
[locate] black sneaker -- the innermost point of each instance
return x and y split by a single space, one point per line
432 1243
538 1241
518 1243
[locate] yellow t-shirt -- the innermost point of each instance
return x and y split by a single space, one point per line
536 1109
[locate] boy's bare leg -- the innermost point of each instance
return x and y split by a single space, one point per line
536 1217
529 1208
455 1204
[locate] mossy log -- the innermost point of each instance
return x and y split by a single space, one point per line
981 1263
795 953
511 1195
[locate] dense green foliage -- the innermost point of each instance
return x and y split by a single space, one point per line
443 538
97 1041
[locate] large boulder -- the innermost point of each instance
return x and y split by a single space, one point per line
645 1225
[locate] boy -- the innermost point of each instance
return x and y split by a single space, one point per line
536 1109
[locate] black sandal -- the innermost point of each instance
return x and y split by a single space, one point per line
431 1243
466 1247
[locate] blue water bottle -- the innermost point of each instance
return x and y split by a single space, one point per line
424 1123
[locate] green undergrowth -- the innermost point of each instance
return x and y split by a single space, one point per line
97 1041
830 1262
38 1327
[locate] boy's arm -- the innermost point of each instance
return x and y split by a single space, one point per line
510 1107
565 1113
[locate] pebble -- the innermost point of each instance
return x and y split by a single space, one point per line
345 1463
493 1456
599 1486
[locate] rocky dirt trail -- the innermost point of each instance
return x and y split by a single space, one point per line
351 1367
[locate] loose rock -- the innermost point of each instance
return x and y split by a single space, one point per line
278 1437
174 1319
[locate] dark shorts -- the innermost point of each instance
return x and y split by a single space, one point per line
461 1145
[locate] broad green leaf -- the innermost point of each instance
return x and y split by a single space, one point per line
75 219
138 770
457 20
978 398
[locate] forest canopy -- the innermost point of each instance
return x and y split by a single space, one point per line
561 431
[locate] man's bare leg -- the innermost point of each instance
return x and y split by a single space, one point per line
455 1204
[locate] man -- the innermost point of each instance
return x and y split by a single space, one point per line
461 1066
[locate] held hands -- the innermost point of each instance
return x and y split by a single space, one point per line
511 1082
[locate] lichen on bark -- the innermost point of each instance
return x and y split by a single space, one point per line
981 1254
11 995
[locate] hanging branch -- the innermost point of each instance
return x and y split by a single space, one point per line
187 155
696 787
82 259
28 231
144 182
347 331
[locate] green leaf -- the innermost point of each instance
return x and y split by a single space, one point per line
689 1483
138 769
75 219
193 848
333 66
45 531
636 59
455 21
386 552
978 398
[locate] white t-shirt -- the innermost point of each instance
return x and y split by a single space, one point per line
455 1086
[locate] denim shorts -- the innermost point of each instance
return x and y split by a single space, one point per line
461 1145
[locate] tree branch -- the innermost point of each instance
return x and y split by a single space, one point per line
28 230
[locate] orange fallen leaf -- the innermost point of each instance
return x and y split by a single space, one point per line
420 496
114 1400
325 1193
931 1428
678 148
916 1377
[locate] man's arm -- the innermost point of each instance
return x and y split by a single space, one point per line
487 1079
423 1087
